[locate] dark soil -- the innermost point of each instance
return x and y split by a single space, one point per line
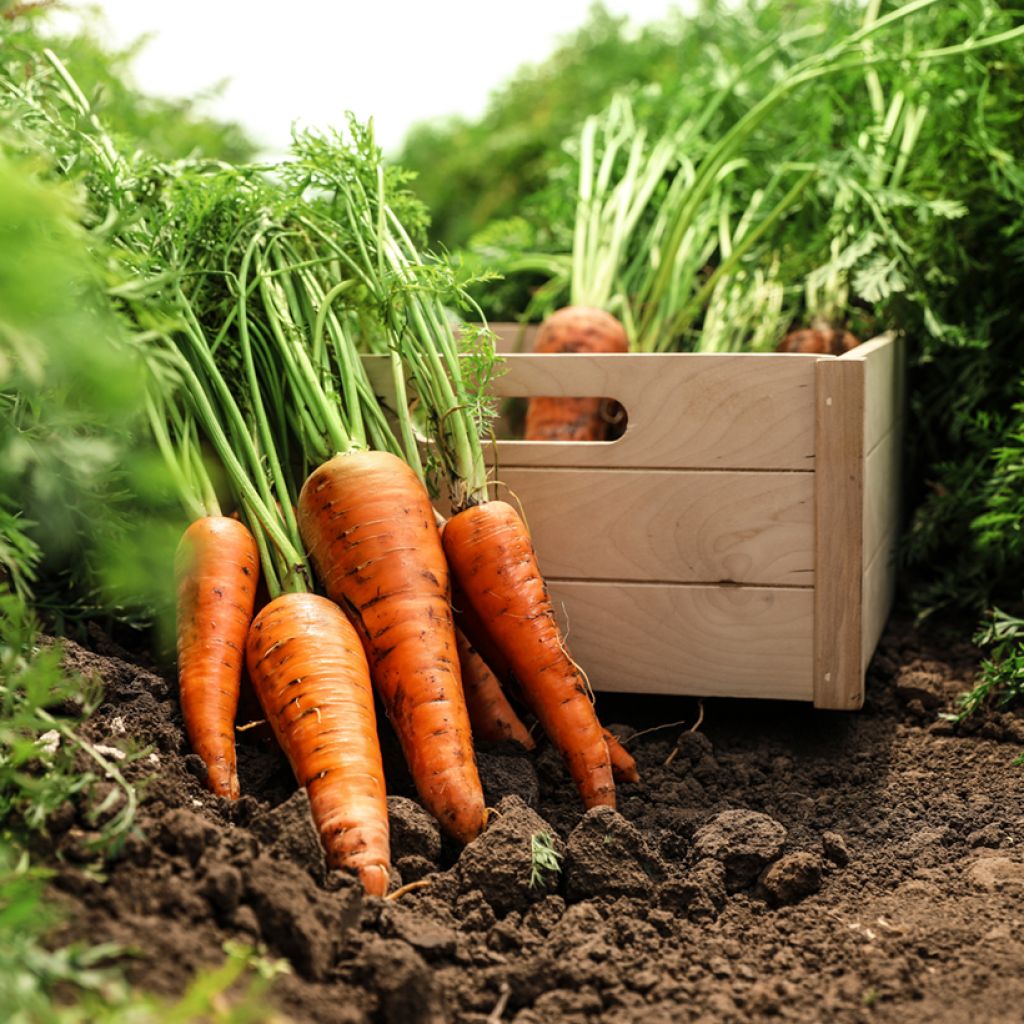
787 864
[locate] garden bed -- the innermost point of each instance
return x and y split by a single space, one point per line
667 913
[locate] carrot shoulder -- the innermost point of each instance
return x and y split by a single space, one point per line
217 569
309 671
490 554
370 530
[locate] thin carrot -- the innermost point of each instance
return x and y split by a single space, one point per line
492 717
490 554
310 673
471 625
623 764
819 340
369 526
573 329
217 569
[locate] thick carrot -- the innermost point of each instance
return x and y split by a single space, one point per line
491 556
310 673
573 329
490 713
217 569
623 764
370 530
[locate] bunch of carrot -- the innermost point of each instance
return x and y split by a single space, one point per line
321 269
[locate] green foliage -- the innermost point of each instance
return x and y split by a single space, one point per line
167 129
545 859
1001 678
473 173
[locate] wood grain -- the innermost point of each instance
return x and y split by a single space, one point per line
882 491
672 525
707 641
839 522
882 359
879 589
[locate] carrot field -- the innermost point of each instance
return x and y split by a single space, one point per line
567 569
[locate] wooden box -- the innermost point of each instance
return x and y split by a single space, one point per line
738 539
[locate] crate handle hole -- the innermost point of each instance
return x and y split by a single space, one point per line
604 417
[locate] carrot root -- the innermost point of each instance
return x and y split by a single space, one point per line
623 763
371 533
310 673
491 556
217 570
574 329
490 714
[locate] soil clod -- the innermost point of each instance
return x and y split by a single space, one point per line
744 841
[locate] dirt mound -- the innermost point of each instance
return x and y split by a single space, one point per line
785 863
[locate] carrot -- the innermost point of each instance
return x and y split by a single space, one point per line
369 526
491 556
217 568
573 329
623 764
470 624
490 713
829 341
310 673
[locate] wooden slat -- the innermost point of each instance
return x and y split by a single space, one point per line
839 505
882 491
882 359
685 410
714 641
671 525
879 589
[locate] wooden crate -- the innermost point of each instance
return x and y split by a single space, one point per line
738 539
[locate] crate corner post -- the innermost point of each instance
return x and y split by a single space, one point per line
839 533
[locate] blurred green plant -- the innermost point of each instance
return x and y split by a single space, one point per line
167 129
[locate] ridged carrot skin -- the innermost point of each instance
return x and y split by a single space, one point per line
623 764
491 556
573 329
217 569
310 673
492 717
369 527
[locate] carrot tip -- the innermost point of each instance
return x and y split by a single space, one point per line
375 879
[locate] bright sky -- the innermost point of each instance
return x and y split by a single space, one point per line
309 61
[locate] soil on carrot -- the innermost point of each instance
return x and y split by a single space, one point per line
781 863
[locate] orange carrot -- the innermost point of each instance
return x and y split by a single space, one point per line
370 530
623 764
490 713
472 627
820 340
217 568
491 556
310 673
573 329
